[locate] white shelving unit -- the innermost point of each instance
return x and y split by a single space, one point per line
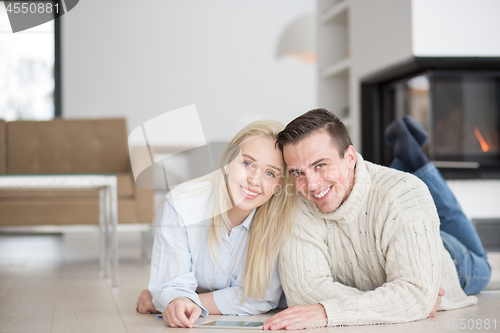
334 60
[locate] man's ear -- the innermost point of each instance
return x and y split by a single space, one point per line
350 155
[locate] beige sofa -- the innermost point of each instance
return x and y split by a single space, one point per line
61 146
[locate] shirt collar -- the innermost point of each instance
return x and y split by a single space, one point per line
247 222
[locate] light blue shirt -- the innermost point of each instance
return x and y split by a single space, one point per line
181 264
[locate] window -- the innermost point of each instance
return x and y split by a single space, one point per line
29 70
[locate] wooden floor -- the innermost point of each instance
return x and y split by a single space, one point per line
52 283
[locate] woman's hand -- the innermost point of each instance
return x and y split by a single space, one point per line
181 312
145 303
441 293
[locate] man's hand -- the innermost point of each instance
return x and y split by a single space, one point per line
181 312
145 303
438 302
297 317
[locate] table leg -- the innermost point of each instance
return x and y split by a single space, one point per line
102 239
107 224
114 234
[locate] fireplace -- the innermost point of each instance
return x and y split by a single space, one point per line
457 100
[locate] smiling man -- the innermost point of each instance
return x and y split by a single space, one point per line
366 245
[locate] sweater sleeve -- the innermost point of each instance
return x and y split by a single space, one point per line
410 243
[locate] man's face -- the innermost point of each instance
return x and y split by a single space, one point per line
318 171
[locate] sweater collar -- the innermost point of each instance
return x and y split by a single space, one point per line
347 212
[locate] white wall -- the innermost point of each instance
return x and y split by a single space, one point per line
467 28
380 36
385 32
141 59
478 198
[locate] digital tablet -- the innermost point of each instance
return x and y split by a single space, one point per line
256 325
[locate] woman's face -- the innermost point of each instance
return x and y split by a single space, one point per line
256 173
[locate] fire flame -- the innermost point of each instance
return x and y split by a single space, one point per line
484 145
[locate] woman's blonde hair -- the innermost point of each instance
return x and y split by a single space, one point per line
271 223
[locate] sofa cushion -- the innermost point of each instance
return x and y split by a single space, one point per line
3 147
60 212
67 146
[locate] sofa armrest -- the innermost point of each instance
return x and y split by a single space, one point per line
3 147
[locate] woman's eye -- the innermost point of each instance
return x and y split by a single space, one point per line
270 174
248 164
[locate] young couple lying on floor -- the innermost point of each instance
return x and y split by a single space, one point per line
360 242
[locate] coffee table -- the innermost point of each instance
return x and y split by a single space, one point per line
108 206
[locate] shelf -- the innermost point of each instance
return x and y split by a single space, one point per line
334 11
333 94
336 68
336 63
333 35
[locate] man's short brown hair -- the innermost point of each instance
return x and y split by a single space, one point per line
311 122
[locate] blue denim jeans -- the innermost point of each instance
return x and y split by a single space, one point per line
458 234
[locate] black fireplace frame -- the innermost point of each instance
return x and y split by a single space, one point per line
374 119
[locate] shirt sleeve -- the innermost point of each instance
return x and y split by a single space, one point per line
228 300
412 267
172 270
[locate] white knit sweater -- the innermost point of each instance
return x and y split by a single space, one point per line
378 258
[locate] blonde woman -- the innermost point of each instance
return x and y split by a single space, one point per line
217 248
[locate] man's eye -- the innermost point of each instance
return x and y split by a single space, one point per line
319 166
297 174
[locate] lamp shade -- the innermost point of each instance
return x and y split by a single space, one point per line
297 42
